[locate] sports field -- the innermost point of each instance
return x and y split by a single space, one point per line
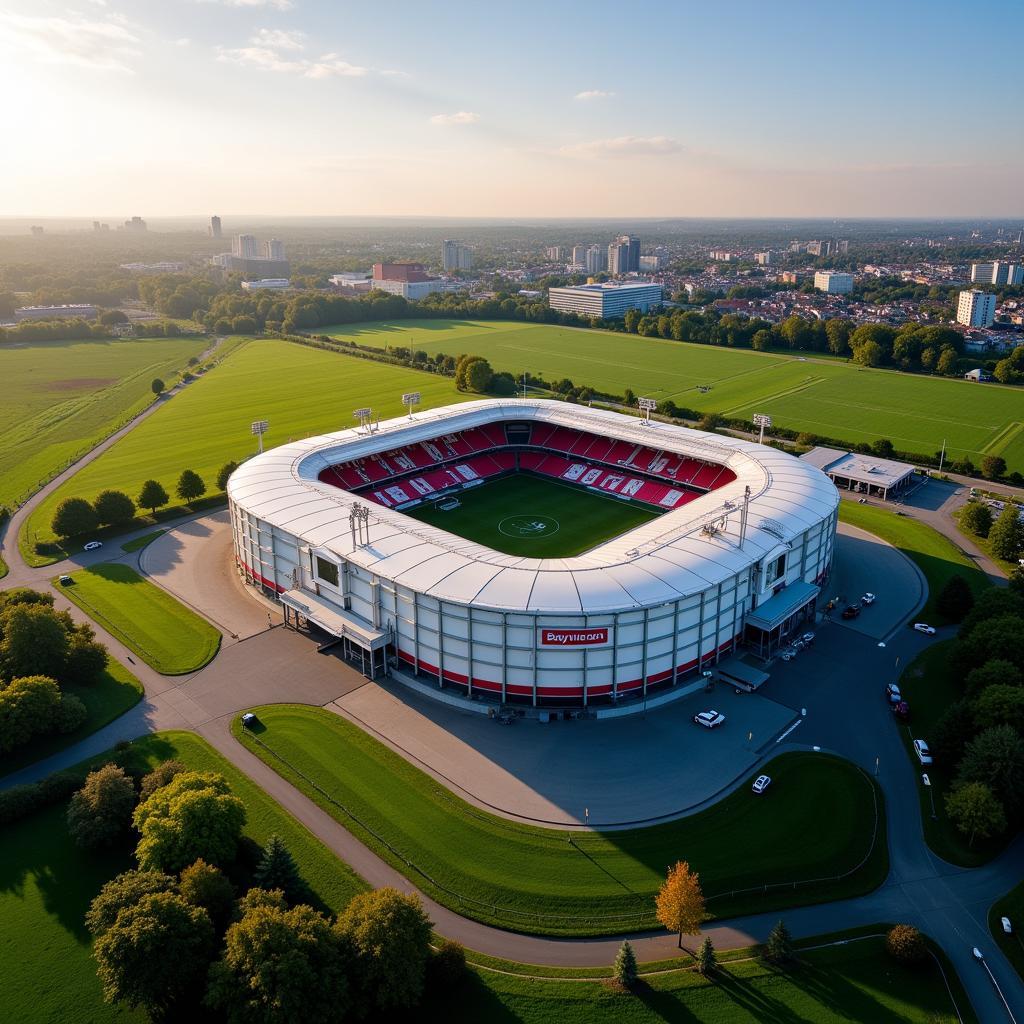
63 397
300 390
822 396
535 517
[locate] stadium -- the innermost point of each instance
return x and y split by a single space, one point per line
536 552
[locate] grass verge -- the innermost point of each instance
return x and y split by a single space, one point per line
140 542
1012 906
167 636
549 881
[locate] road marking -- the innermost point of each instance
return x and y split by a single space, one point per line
789 730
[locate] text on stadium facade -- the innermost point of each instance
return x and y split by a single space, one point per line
573 637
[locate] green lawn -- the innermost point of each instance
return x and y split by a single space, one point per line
140 542
930 687
159 629
1012 906
108 698
935 555
504 515
300 390
828 397
533 879
61 398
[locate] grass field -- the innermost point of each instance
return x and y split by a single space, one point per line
61 398
828 397
532 879
300 390
934 554
1012 906
164 633
46 884
535 517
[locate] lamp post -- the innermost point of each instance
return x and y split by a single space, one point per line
409 400
364 416
259 428
647 406
761 420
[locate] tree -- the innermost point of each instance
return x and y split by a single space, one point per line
1007 535
280 965
125 890
1002 634
152 496
157 387
761 341
906 944
993 603
190 486
101 811
625 969
278 870
225 471
707 961
947 360
462 369
1000 704
883 448
779 947
478 375
155 954
976 518
993 467
85 659
996 757
114 508
447 967
28 708
159 776
710 422
952 732
1016 580
74 516
389 935
35 642
193 817
869 354
974 811
955 599
680 902
205 886
628 398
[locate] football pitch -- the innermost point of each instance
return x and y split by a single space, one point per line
828 397
534 517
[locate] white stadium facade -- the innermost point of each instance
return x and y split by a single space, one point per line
736 558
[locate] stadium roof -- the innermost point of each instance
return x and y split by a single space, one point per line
678 554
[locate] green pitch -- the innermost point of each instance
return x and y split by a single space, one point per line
535 517
821 396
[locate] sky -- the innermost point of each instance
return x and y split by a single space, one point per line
534 109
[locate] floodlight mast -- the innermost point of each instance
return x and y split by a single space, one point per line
364 416
409 400
259 428
761 420
647 405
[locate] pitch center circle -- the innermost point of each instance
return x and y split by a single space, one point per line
528 526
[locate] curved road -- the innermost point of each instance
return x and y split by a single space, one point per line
949 903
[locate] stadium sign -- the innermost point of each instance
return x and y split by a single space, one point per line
573 637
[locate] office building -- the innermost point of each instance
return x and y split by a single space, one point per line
455 256
554 253
763 259
610 299
624 255
596 260
67 311
976 308
579 255
245 247
721 255
270 284
998 272
215 227
833 282
651 264
135 224
273 249
410 280
163 267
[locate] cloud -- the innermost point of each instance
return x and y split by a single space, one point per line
261 57
593 94
277 5
279 39
183 41
460 117
100 45
624 146
330 65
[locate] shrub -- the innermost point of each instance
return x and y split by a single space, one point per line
447 967
779 947
101 811
17 802
157 387
625 970
71 714
906 944
955 599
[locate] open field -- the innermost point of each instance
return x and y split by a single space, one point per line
535 517
826 396
300 390
61 398
46 885
533 879
934 554
164 633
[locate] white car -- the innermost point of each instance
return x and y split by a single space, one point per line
1007 927
924 755
65 581
93 545
709 719
867 599
761 783
923 627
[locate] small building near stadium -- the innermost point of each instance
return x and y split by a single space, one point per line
863 474
735 557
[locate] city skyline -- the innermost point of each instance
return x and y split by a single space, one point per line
135 105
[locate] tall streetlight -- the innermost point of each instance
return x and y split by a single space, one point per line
363 415
647 406
410 399
762 421
259 428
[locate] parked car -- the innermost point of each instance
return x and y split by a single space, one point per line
902 711
787 655
249 720
892 693
868 599
924 755
923 627
762 782
92 545
709 719
1007 927
851 611
808 638
65 581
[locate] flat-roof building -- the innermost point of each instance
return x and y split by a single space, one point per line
833 282
610 299
65 311
864 474
271 284
976 308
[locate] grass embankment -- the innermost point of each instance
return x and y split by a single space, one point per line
300 390
167 636
934 554
930 687
140 542
113 693
46 884
800 391
1012 906
536 880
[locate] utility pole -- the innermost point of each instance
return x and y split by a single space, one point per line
942 455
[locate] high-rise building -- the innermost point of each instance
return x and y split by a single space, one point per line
596 260
215 226
554 253
998 272
135 224
976 308
833 282
763 259
651 264
455 255
579 255
273 249
245 247
624 255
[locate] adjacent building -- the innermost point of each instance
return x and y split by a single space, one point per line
248 255
579 255
554 253
135 224
610 299
66 311
997 272
596 260
245 247
624 255
455 256
976 308
763 259
410 280
215 230
272 284
273 249
651 264
833 282
164 267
